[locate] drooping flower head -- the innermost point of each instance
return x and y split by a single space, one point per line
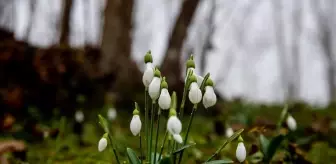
209 97
190 67
79 116
155 85
135 125
291 123
149 70
111 114
195 93
241 150
164 99
174 126
102 144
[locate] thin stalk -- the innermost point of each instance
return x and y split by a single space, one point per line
173 149
113 149
185 91
141 152
170 150
157 134
151 131
163 143
146 120
187 134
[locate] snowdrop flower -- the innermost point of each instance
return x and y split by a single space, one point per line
229 132
191 67
111 114
209 97
174 126
164 99
135 125
291 123
149 70
102 144
79 116
155 85
241 151
195 93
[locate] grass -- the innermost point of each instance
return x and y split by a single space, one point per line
66 149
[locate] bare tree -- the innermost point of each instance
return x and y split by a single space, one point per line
171 64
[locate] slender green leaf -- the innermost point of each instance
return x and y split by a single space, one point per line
103 123
222 161
157 157
274 145
264 143
184 147
132 157
166 160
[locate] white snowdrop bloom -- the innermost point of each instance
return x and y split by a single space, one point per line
229 132
148 74
164 99
209 97
135 125
241 152
174 125
195 93
111 114
45 134
155 86
102 144
291 123
79 116
178 138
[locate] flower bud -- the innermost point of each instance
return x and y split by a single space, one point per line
79 116
178 138
195 94
135 125
174 125
112 114
209 97
148 74
155 86
148 57
291 123
241 152
229 132
102 144
164 99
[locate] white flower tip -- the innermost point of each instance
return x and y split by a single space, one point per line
164 99
102 144
195 94
229 132
174 125
178 138
291 123
135 125
154 88
148 75
79 116
241 152
111 114
209 98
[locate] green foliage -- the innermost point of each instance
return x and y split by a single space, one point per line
132 157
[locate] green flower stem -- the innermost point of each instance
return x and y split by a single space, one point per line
141 152
187 134
173 149
146 121
185 92
157 134
163 143
170 150
113 149
151 130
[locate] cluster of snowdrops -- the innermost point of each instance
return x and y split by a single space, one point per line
199 90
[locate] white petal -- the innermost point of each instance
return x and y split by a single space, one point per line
79 116
102 144
148 74
229 132
174 125
154 88
178 138
291 123
135 125
241 152
164 99
195 94
209 98
111 114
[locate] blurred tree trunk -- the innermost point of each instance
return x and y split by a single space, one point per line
171 67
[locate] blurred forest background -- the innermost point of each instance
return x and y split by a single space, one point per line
263 51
